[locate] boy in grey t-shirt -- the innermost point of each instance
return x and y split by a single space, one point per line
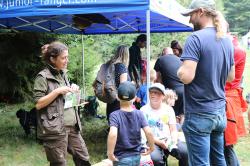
124 139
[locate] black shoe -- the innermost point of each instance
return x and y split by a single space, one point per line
175 153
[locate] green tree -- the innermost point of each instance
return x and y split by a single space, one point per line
19 63
238 15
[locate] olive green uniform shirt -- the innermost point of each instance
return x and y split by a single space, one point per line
40 88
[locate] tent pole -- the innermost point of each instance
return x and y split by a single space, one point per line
83 81
148 49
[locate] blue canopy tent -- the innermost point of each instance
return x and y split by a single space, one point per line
77 17
125 16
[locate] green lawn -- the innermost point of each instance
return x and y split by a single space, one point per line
16 149
243 147
246 82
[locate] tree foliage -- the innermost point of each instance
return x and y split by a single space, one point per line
19 62
99 48
238 15
91 60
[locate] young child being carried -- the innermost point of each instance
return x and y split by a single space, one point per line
124 139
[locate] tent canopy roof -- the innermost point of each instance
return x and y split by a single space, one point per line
114 16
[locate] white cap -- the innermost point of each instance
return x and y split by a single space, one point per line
159 87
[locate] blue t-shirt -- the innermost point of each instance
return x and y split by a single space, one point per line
214 59
142 94
120 69
129 126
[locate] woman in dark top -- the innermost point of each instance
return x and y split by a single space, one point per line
121 60
176 47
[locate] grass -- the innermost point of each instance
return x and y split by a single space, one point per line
243 147
243 150
16 149
246 79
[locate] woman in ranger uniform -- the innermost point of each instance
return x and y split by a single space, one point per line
58 127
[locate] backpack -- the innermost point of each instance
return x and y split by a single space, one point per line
27 119
104 84
91 107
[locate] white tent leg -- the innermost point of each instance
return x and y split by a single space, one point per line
148 49
83 75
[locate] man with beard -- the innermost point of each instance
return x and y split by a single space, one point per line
207 64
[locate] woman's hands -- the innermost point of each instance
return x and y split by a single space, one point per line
46 100
74 87
148 150
65 89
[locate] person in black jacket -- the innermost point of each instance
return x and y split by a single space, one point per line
135 64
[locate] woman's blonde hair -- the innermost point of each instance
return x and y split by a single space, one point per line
121 55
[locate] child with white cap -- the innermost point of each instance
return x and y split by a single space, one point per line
161 120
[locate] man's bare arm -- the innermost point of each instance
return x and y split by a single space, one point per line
186 72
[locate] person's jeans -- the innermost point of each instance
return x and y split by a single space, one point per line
128 161
230 156
159 156
205 138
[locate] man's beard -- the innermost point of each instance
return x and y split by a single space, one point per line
197 27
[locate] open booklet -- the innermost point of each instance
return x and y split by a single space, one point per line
72 99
